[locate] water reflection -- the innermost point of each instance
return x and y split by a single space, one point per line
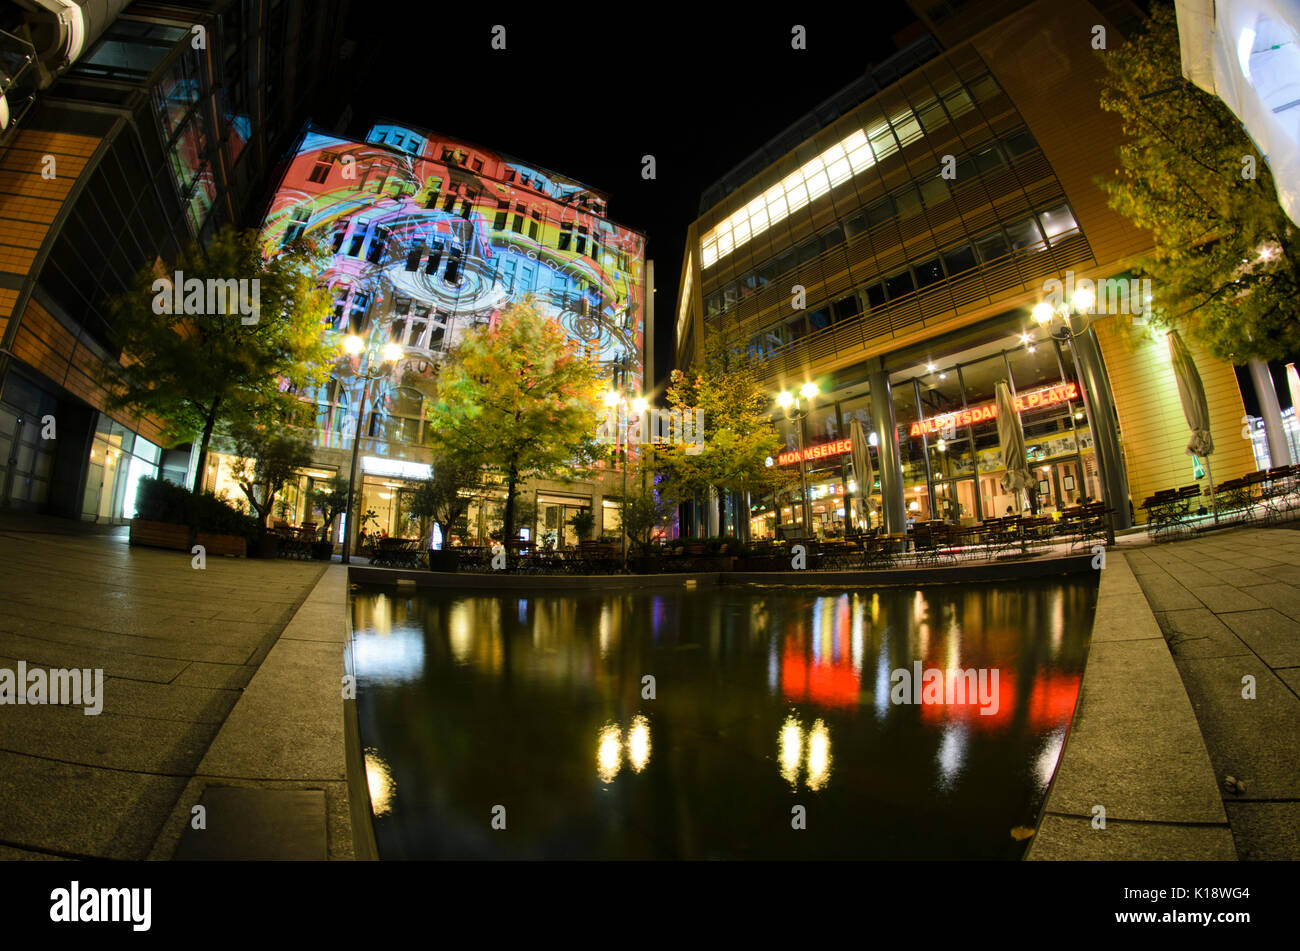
468 701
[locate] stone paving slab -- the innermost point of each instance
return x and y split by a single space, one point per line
1070 838
1133 747
257 825
104 786
1248 624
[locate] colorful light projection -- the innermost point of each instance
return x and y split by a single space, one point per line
429 237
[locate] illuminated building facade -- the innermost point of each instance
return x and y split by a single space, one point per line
890 248
142 140
430 236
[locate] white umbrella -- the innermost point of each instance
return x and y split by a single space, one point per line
1191 392
861 464
1011 437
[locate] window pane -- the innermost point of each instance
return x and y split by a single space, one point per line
928 272
1058 221
1024 235
899 284
991 247
959 259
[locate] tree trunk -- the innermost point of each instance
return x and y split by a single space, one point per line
203 446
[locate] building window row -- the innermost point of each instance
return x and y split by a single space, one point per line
1030 234
902 203
854 154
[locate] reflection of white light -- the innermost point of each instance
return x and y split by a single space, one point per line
873 439
819 756
609 750
790 745
1245 46
914 506
376 465
395 656
952 752
638 743
380 780
1051 752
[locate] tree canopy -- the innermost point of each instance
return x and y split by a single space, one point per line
518 397
1225 265
219 358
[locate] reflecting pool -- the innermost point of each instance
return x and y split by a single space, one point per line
717 723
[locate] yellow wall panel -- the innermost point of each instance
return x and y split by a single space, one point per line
1153 429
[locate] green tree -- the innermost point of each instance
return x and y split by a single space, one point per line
739 434
583 522
1225 264
642 511
215 362
438 498
266 457
331 500
519 396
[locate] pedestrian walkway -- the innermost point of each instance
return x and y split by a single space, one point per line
186 657
1228 604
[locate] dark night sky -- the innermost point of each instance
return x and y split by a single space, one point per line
587 96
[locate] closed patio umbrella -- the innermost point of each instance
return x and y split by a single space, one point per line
861 464
1191 392
1011 437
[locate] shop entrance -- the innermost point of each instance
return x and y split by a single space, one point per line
556 518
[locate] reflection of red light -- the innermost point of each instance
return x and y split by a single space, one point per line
1049 706
828 684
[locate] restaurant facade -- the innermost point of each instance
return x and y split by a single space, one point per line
891 249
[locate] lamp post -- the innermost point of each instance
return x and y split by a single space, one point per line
614 399
1057 322
391 353
795 411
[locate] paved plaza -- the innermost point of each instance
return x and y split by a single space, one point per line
225 676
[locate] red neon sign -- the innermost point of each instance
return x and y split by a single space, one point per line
820 451
1048 396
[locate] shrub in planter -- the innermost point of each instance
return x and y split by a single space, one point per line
322 551
158 500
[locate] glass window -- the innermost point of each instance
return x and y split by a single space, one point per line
1020 143
819 320
899 284
928 272
932 115
908 203
983 88
934 191
1024 235
958 260
991 247
906 127
856 225
797 328
882 141
959 103
882 210
875 295
846 308
988 158
1058 222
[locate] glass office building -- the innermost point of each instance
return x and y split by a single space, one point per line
890 248
147 140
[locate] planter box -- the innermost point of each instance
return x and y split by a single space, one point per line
177 538
447 559
322 551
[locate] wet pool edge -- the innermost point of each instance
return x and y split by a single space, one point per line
1133 747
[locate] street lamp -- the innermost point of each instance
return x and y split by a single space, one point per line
795 411
391 353
614 399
